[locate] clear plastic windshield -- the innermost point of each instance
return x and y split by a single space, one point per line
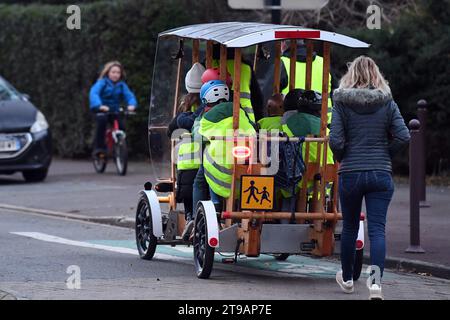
162 102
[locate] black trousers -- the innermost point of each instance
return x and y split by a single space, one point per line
102 120
185 180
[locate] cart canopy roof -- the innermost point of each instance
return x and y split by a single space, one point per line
244 34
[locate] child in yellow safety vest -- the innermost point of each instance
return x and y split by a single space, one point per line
302 118
275 112
189 151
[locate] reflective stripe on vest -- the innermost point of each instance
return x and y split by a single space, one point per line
189 155
245 93
217 156
217 175
217 166
316 77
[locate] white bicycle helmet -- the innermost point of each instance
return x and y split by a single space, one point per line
213 91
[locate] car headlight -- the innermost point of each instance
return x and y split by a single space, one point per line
39 124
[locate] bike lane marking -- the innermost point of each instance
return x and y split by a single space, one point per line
296 266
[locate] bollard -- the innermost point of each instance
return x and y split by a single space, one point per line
414 188
422 164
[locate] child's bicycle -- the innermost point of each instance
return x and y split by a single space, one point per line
116 146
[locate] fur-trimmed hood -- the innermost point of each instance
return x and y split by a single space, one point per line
361 100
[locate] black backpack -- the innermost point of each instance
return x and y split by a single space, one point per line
291 165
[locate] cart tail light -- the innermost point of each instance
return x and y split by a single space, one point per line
362 216
241 152
213 242
359 244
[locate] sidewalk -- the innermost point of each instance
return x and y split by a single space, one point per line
434 231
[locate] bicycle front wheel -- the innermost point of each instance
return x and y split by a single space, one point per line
99 162
121 156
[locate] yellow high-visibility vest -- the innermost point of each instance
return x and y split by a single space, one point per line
245 93
300 78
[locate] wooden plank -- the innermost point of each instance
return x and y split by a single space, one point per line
292 64
309 53
255 58
276 69
323 174
223 63
177 88
195 51
237 87
325 81
268 215
209 53
252 238
236 108
174 112
304 188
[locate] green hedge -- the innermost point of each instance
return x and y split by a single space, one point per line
57 66
413 54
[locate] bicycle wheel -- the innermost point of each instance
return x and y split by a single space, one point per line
145 240
121 156
99 162
203 253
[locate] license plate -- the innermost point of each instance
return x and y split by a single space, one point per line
257 192
9 145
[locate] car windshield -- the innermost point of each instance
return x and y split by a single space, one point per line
7 92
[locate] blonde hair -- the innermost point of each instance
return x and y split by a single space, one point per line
108 67
363 72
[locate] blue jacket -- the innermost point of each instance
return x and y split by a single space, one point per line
105 92
367 130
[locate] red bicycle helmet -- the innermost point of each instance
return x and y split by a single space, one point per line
214 74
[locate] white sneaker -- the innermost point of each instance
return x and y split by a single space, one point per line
375 292
346 286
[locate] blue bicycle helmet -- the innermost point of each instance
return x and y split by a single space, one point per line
213 91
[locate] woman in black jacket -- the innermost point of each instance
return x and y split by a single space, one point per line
367 130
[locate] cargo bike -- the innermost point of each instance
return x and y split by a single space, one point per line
242 228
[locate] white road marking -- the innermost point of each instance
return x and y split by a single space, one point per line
55 239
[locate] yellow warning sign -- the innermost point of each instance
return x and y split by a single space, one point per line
257 192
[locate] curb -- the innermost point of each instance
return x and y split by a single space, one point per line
393 263
118 221
415 266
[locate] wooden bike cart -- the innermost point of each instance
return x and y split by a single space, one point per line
314 226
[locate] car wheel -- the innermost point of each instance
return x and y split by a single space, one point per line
35 175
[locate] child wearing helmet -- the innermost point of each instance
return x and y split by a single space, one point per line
213 92
217 121
190 105
188 149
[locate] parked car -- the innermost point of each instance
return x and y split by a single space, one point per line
25 137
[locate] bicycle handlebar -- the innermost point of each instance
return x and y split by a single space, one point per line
121 111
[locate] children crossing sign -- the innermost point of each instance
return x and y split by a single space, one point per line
257 192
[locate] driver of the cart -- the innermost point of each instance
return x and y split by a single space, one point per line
251 97
302 118
300 71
